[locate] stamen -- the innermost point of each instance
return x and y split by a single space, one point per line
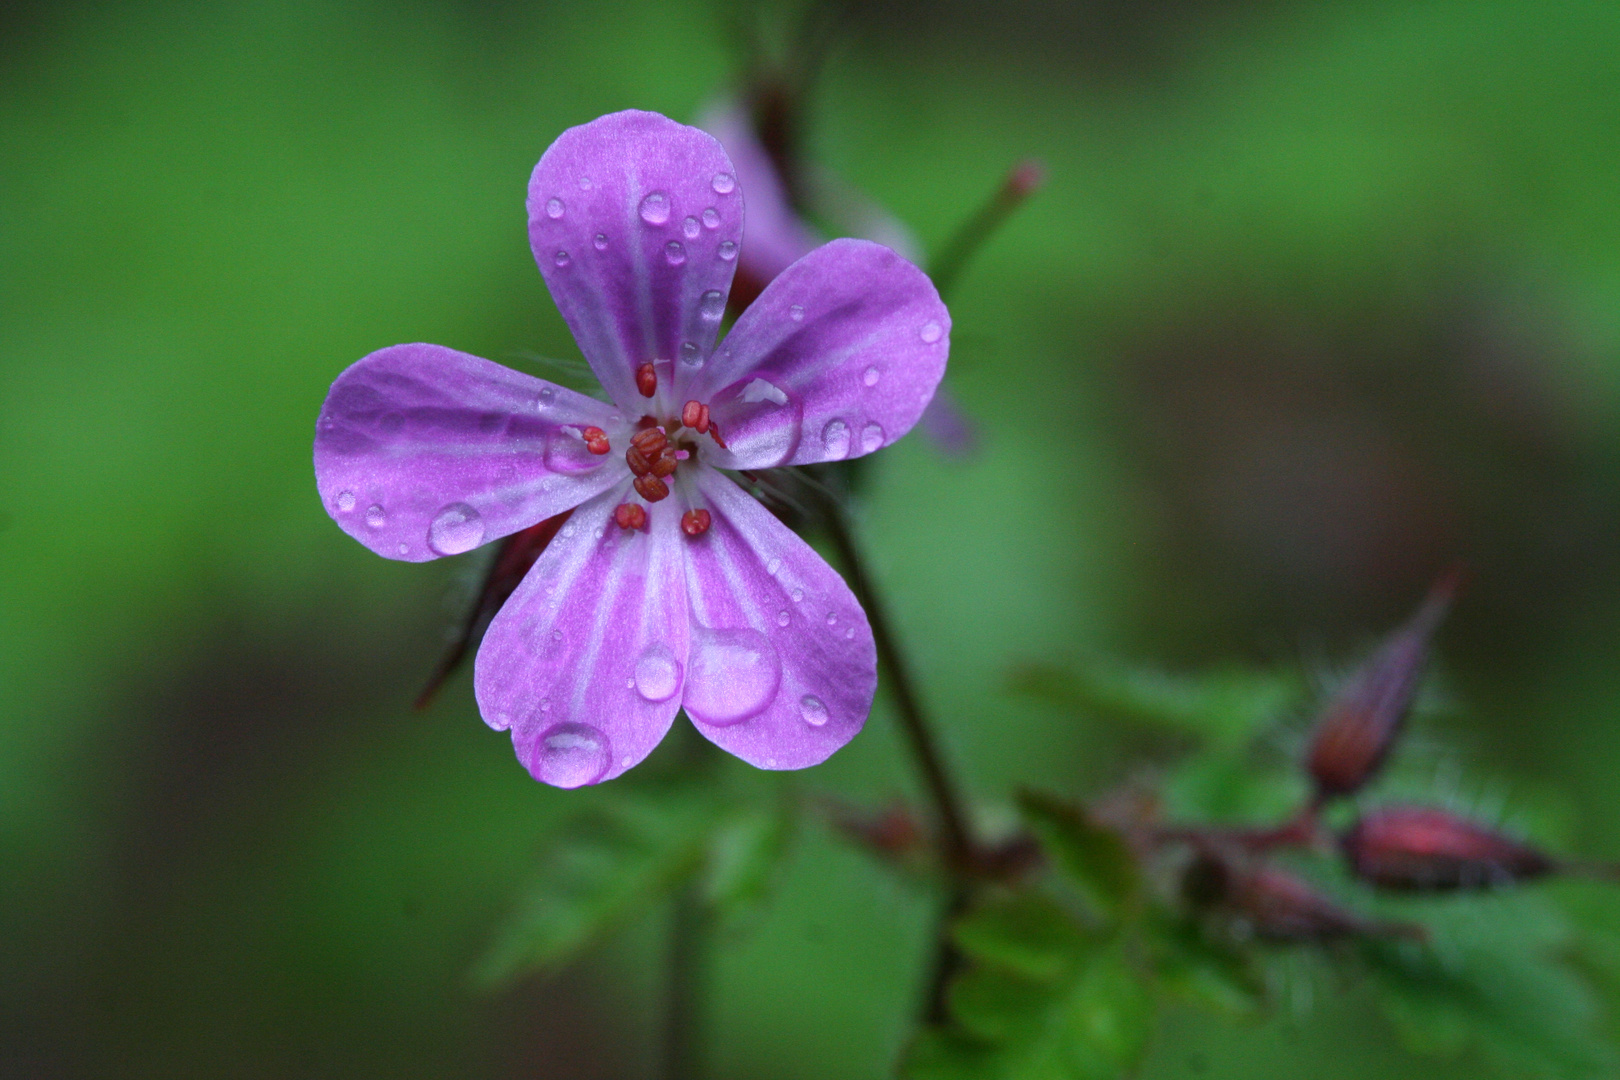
714 433
596 440
695 522
649 441
695 415
651 488
664 464
630 516
647 380
639 465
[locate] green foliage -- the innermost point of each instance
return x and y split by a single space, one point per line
1089 855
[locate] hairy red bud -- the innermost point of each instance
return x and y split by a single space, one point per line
1271 903
1361 724
1421 848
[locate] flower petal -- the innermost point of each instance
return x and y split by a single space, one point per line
422 451
585 663
782 666
850 341
635 221
776 237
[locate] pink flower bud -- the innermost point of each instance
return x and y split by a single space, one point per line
1422 848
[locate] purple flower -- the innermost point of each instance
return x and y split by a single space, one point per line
669 586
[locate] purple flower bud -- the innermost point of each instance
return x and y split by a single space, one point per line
1361 724
1420 848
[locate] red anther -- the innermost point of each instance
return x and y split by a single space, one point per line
664 464
714 433
647 380
646 422
651 488
649 441
1361 724
596 440
695 415
695 522
629 515
1420 848
639 465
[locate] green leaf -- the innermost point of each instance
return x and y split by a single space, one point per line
742 856
1091 856
1026 933
1207 973
602 868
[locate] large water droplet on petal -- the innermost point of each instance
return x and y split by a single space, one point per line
457 528
932 331
376 516
783 618
711 218
674 253
724 183
600 243
713 305
728 250
871 436
655 208
796 312
566 453
813 709
548 394
570 756
554 208
658 673
733 675
691 355
835 437
689 228
561 259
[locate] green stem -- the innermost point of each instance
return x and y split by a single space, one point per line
689 937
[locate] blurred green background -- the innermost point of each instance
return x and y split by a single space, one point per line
1319 298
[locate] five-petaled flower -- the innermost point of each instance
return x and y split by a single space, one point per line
669 586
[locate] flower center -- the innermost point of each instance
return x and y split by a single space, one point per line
656 451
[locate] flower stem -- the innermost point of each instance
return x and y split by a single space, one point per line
687 985
1016 187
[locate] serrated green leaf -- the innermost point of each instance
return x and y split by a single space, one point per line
1091 856
743 854
599 870
1025 933
1208 973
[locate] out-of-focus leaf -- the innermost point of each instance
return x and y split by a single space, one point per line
1206 972
1227 705
1524 1008
1025 933
1091 856
1226 786
743 854
600 869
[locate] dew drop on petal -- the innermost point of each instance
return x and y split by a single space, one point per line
404 549
798 595
813 709
584 183
561 258
570 756
345 501
773 566
832 619
691 355
376 516
689 228
545 704
870 376
711 218
835 437
554 208
457 528
713 305
796 312
655 208
849 633
733 675
724 183
932 331
728 250
783 618
547 395
567 454
871 436
770 763
600 243
658 673
674 253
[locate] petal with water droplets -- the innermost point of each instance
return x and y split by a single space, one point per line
762 643
586 662
422 451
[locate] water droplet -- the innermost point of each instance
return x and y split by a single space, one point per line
456 529
675 253
770 763
835 437
404 549
783 618
376 516
760 390
813 709
658 673
655 208
547 395
773 566
711 218
545 704
554 208
734 674
849 632
568 530
870 376
345 501
832 619
584 183
932 331
502 721
871 436
796 313
600 243
626 760
556 635
691 355
561 258
567 454
798 595
690 228
570 756
713 305
728 250
724 183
